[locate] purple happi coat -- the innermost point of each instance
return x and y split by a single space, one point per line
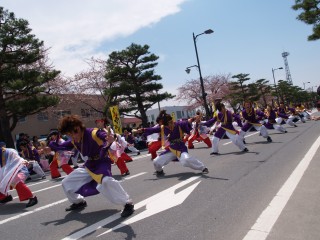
94 152
173 136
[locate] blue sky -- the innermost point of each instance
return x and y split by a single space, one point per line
249 36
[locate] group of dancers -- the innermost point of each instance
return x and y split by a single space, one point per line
100 147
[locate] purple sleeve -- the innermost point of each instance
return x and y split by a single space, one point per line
149 131
185 126
65 146
102 135
210 122
260 113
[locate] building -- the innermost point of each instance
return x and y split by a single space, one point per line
178 112
87 107
40 124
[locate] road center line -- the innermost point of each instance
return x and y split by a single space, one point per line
263 226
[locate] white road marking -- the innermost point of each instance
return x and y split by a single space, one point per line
263 226
161 202
44 189
33 211
49 205
150 200
133 176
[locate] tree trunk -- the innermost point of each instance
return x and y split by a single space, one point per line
5 133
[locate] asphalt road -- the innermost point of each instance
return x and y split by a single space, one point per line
271 192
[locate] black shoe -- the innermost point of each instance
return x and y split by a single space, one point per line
6 199
269 139
126 173
285 131
159 173
128 210
28 179
43 177
245 150
76 206
214 153
138 153
205 170
295 125
32 201
75 167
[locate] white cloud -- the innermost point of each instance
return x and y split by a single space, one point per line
75 29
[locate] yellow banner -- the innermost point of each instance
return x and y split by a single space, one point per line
116 119
173 115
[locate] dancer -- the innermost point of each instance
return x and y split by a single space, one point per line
173 132
282 113
198 132
117 154
31 155
251 117
95 176
226 128
60 158
13 173
130 140
154 141
271 120
119 159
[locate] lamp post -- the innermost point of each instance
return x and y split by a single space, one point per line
304 85
204 95
275 85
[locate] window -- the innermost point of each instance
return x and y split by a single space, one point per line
43 116
179 115
90 113
61 113
22 119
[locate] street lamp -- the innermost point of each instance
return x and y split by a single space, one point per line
275 85
209 31
188 70
304 85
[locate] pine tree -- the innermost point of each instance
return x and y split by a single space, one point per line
133 83
310 15
24 74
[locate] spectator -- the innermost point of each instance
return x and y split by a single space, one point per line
35 142
130 139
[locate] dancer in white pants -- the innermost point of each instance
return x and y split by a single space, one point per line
225 119
95 176
172 133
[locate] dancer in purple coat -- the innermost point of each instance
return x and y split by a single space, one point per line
172 134
95 176
251 117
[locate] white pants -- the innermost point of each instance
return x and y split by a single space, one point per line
279 128
290 122
109 188
37 169
185 159
235 139
133 149
262 129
